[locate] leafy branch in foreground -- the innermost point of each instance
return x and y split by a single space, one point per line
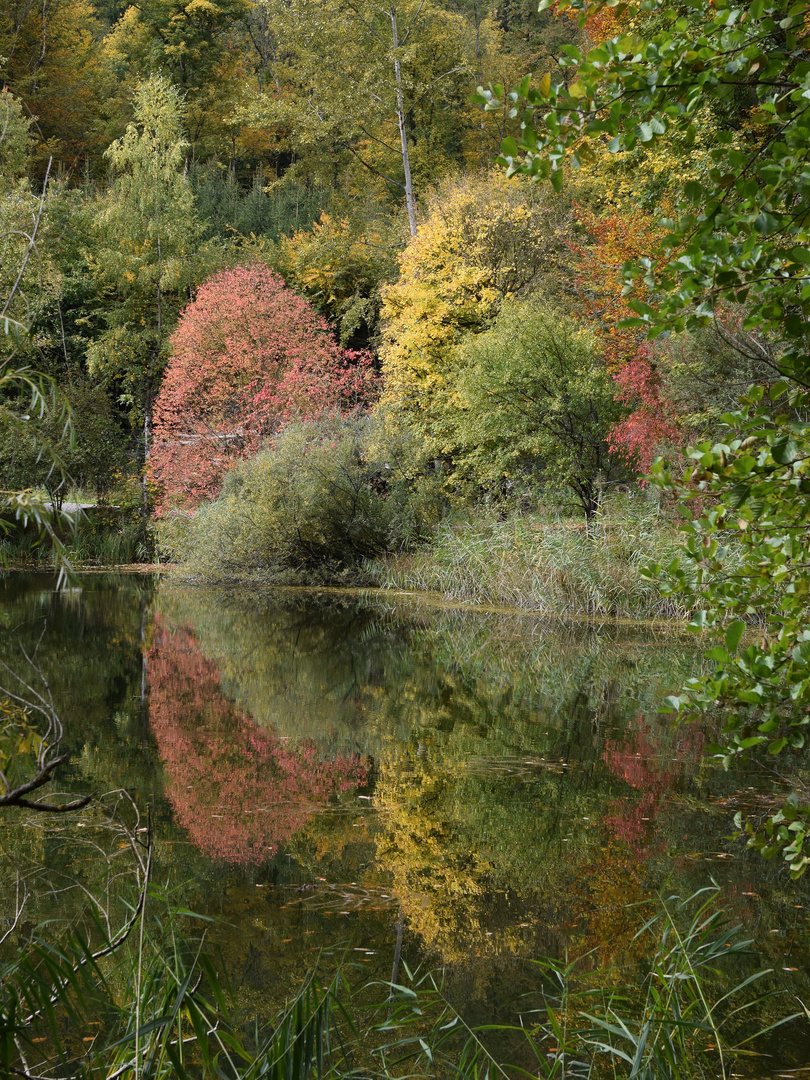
737 235
746 567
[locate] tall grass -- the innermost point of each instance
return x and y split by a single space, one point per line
545 563
165 1011
101 536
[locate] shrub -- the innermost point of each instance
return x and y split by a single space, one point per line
321 498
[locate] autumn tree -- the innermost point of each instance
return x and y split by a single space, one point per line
50 58
536 400
197 46
19 212
247 356
483 241
341 267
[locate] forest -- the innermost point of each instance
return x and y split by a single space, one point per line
503 304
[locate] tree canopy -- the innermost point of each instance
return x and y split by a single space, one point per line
248 355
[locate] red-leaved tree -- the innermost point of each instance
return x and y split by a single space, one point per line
248 355
617 238
652 421
238 790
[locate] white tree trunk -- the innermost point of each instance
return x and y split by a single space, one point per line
410 202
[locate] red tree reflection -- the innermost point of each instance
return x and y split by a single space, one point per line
639 763
238 790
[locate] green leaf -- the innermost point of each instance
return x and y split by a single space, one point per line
785 451
734 635
718 654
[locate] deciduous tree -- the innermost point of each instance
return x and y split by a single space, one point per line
145 250
247 356
484 240
536 398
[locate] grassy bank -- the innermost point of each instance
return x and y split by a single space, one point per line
100 536
542 562
332 503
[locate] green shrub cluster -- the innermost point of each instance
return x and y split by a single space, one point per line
313 505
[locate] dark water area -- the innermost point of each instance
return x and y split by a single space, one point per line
328 773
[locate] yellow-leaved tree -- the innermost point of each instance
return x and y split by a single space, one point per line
483 240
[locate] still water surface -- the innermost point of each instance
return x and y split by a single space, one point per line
328 772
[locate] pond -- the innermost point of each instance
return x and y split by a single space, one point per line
334 775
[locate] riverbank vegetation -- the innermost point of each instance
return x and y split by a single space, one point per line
330 293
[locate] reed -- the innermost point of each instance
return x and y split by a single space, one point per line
546 563
164 1010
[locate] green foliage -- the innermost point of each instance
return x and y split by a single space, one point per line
145 234
320 498
90 450
401 84
734 235
705 372
750 494
268 208
535 399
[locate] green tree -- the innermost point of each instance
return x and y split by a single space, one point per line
145 250
192 43
537 400
370 80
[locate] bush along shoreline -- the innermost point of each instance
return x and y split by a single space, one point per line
330 503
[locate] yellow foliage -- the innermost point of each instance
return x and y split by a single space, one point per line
340 267
483 240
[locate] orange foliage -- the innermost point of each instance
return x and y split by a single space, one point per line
616 238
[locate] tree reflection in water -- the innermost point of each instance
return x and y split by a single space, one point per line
638 762
238 790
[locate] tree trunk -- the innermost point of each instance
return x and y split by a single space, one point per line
147 443
403 131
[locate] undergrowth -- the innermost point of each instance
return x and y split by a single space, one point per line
546 563
102 536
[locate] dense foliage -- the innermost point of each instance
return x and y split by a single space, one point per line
736 235
259 250
321 497
248 356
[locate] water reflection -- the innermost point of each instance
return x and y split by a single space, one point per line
240 791
520 782
322 768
